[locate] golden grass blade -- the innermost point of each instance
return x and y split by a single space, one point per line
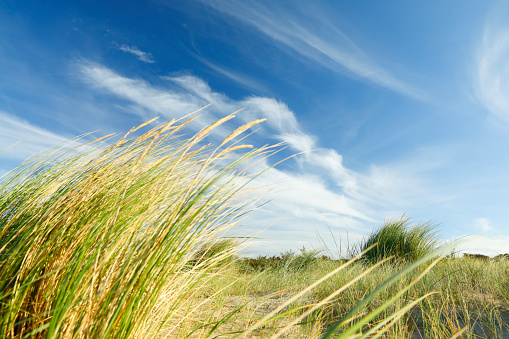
240 130
207 130
393 318
134 129
460 332
366 319
232 149
102 138
194 112
6 149
303 292
329 298
180 126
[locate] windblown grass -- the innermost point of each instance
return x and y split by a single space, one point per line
95 242
400 240
467 296
124 241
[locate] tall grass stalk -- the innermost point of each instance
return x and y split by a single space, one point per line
94 243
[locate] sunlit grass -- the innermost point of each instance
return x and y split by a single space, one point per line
469 295
94 241
401 240
125 239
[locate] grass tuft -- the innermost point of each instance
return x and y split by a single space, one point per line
401 241
96 242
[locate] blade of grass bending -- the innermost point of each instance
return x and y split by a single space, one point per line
240 130
390 320
372 315
331 296
301 293
381 308
323 244
334 328
458 334
37 330
225 319
134 129
217 323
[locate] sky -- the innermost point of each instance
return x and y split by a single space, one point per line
395 108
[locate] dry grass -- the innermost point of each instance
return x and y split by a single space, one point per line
123 240
94 242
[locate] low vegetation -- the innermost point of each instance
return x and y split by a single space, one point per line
126 239
470 295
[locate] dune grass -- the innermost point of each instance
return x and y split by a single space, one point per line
467 296
400 240
93 239
124 239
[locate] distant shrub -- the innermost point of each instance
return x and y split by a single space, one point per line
297 262
288 261
476 256
95 241
398 238
504 256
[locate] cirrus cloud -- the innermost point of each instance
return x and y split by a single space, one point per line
492 85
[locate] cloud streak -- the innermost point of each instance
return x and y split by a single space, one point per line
22 139
325 44
241 79
492 87
142 56
187 93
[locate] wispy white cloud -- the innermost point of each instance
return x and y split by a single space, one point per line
189 93
483 224
320 40
142 56
159 101
320 189
22 139
492 72
305 194
241 79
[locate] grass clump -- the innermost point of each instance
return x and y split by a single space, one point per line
127 241
95 242
401 241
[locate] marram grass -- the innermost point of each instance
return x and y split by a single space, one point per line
401 241
94 243
123 240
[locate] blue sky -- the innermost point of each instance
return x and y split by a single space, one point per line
405 104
